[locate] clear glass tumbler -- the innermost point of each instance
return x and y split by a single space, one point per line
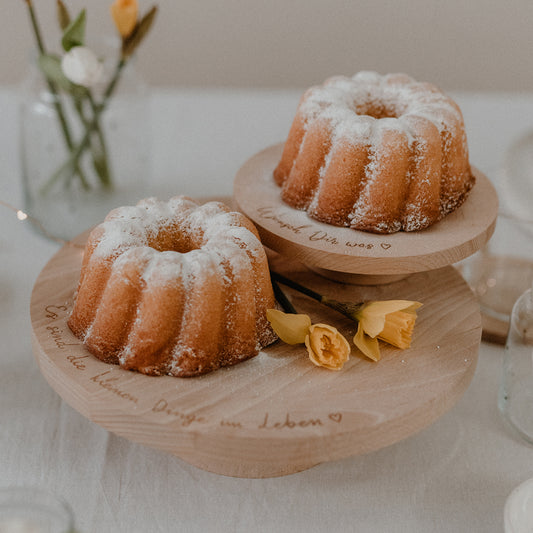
516 388
518 513
34 510
503 269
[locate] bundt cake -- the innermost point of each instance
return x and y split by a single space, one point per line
376 153
173 288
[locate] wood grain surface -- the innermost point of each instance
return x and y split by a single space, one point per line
275 414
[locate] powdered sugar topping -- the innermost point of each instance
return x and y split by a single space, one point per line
141 225
344 101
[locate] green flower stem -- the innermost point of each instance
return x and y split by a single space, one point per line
114 80
98 146
73 160
51 85
282 299
53 89
68 165
296 286
98 110
100 161
75 155
348 309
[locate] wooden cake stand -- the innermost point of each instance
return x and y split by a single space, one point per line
277 413
355 256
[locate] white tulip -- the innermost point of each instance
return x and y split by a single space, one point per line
81 66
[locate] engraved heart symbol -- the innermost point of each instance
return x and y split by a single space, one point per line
336 417
385 245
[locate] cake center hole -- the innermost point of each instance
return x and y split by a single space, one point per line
380 108
170 240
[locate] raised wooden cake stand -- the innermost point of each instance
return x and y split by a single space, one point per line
354 256
275 414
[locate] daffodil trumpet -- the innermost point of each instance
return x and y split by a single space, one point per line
327 347
392 321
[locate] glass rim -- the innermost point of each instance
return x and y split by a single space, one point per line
39 497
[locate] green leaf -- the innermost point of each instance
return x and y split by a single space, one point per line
130 44
74 34
63 16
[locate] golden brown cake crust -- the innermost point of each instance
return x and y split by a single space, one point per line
376 153
173 288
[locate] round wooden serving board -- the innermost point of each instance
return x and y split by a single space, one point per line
355 256
275 414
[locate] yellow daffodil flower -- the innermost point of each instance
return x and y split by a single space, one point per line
125 13
290 328
327 347
392 321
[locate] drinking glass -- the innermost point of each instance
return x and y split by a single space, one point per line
518 513
500 272
515 399
503 270
33 510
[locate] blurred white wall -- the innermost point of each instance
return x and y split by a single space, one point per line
456 44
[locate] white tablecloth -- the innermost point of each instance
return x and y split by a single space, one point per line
453 476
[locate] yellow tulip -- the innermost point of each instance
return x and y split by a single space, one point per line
125 13
290 328
327 347
391 321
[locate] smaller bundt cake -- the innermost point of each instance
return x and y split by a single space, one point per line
173 288
376 153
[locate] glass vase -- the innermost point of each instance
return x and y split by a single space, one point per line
67 194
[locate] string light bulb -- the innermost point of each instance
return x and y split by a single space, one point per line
22 216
